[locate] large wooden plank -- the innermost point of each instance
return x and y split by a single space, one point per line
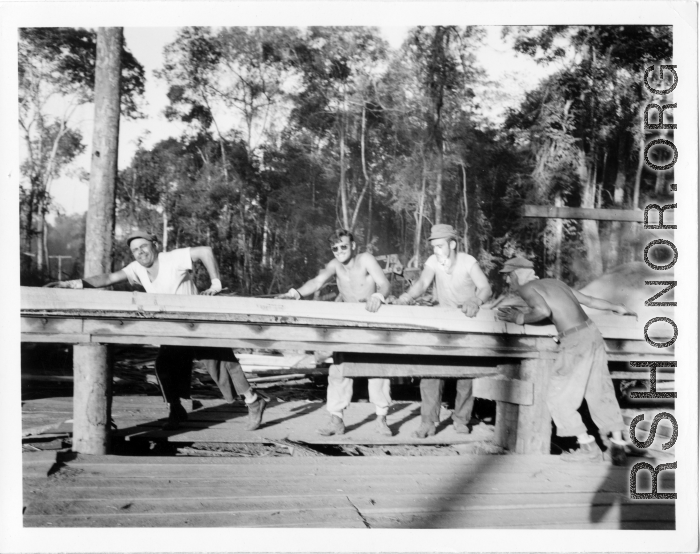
218 486
550 212
346 518
612 517
514 391
470 462
96 303
364 369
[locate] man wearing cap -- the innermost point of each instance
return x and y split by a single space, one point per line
171 273
459 283
581 368
359 279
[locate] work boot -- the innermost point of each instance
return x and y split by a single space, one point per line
336 427
587 452
255 413
426 429
382 428
175 417
616 454
461 427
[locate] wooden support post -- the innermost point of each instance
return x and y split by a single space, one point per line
525 428
534 432
92 398
506 431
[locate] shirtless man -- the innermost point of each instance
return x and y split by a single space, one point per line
459 283
171 273
359 279
581 368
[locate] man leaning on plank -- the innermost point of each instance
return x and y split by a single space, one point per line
359 279
171 273
581 368
459 283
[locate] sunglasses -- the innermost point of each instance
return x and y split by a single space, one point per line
342 247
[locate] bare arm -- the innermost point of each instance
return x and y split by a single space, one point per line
374 302
205 255
312 285
419 286
377 274
600 304
483 289
539 309
96 281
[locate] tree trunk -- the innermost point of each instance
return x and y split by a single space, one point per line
557 229
265 238
591 239
165 230
633 229
93 368
466 207
419 222
105 142
438 188
40 253
343 191
615 242
368 183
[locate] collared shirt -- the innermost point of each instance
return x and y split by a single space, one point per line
174 274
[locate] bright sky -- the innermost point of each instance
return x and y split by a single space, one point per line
512 74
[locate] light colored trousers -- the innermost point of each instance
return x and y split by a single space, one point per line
340 392
581 371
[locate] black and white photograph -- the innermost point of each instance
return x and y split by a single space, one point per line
329 268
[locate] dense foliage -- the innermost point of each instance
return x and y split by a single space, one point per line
293 132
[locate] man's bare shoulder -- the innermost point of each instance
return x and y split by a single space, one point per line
332 265
366 258
546 285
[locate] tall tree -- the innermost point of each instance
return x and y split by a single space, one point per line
57 63
105 144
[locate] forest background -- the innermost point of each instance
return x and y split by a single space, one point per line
288 133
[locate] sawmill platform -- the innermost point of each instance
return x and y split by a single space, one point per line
400 492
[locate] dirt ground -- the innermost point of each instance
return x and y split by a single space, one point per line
47 373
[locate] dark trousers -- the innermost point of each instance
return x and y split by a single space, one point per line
431 397
174 371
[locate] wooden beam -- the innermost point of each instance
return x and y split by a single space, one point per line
514 391
552 212
98 304
298 337
359 369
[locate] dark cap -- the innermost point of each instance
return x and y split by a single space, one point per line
137 234
442 231
516 263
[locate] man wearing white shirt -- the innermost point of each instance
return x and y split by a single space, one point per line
171 273
459 283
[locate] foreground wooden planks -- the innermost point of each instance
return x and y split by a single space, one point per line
389 492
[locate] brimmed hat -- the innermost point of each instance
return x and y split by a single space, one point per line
140 235
516 263
442 231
